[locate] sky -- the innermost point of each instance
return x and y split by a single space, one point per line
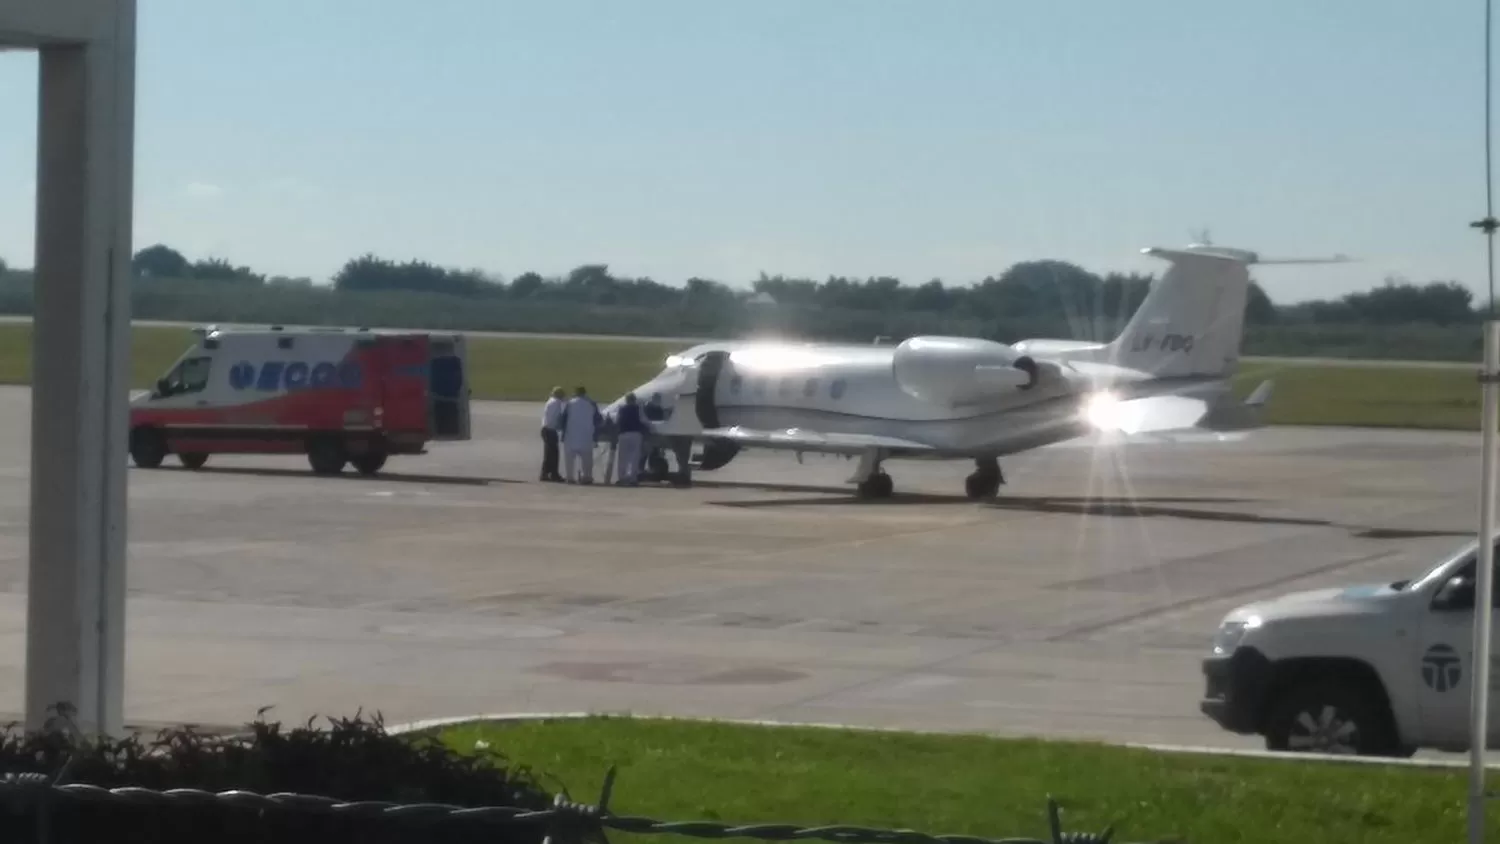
915 138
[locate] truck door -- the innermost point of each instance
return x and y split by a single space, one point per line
1442 666
448 389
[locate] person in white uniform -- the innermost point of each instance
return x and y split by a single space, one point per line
551 432
580 427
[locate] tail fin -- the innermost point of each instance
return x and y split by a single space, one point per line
1193 318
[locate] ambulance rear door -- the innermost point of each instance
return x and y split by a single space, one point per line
401 360
448 387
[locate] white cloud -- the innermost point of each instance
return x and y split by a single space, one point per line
203 190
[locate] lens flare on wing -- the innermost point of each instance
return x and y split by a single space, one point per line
1105 411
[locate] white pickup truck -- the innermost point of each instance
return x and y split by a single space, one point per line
1378 670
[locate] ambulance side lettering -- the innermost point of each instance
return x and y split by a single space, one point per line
275 375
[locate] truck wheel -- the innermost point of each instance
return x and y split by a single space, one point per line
1334 717
326 456
193 460
369 463
148 448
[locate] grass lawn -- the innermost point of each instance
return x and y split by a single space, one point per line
525 369
680 771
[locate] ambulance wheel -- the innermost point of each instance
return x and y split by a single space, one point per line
148 448
193 460
369 463
326 456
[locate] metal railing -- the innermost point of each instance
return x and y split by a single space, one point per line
566 822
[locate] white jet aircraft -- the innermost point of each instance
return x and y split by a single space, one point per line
943 398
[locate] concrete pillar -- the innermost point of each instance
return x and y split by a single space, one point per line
80 353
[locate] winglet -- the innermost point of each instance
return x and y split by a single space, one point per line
1244 416
1261 394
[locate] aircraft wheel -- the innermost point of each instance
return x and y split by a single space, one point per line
878 485
193 460
977 486
657 468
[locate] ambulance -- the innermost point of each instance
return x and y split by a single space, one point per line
341 396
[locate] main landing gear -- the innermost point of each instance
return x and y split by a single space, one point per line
870 480
986 479
877 485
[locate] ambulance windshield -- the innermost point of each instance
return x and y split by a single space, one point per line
189 376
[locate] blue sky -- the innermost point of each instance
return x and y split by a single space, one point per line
919 138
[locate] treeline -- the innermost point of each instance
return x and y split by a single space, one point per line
1436 320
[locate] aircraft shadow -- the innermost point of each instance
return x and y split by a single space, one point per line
1103 506
1112 507
383 477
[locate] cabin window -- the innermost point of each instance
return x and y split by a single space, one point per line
784 387
810 389
283 342
837 388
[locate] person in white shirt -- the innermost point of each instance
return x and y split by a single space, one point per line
580 428
551 432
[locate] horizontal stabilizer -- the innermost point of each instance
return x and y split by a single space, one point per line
1159 414
1243 416
801 439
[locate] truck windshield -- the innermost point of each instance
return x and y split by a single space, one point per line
1442 570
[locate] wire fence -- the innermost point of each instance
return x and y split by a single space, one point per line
42 804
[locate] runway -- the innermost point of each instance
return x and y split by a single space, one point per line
1079 605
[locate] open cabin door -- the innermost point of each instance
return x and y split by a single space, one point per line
448 388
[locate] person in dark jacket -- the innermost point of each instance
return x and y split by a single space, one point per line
631 429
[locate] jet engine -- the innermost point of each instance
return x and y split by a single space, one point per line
962 370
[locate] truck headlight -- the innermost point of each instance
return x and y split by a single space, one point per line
1230 633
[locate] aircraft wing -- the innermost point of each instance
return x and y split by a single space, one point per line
801 439
1163 417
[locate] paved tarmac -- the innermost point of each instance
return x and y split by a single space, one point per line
1078 605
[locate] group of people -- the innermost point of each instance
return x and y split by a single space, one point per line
572 426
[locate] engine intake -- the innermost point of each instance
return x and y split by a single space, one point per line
961 370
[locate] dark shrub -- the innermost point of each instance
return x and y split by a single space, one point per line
351 760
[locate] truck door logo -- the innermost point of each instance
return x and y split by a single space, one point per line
1441 668
274 375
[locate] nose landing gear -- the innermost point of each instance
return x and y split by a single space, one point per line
986 479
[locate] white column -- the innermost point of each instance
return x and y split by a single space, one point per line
80 353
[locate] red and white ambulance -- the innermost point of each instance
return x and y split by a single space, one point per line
338 395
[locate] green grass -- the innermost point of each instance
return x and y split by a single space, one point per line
527 368
1387 396
995 788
